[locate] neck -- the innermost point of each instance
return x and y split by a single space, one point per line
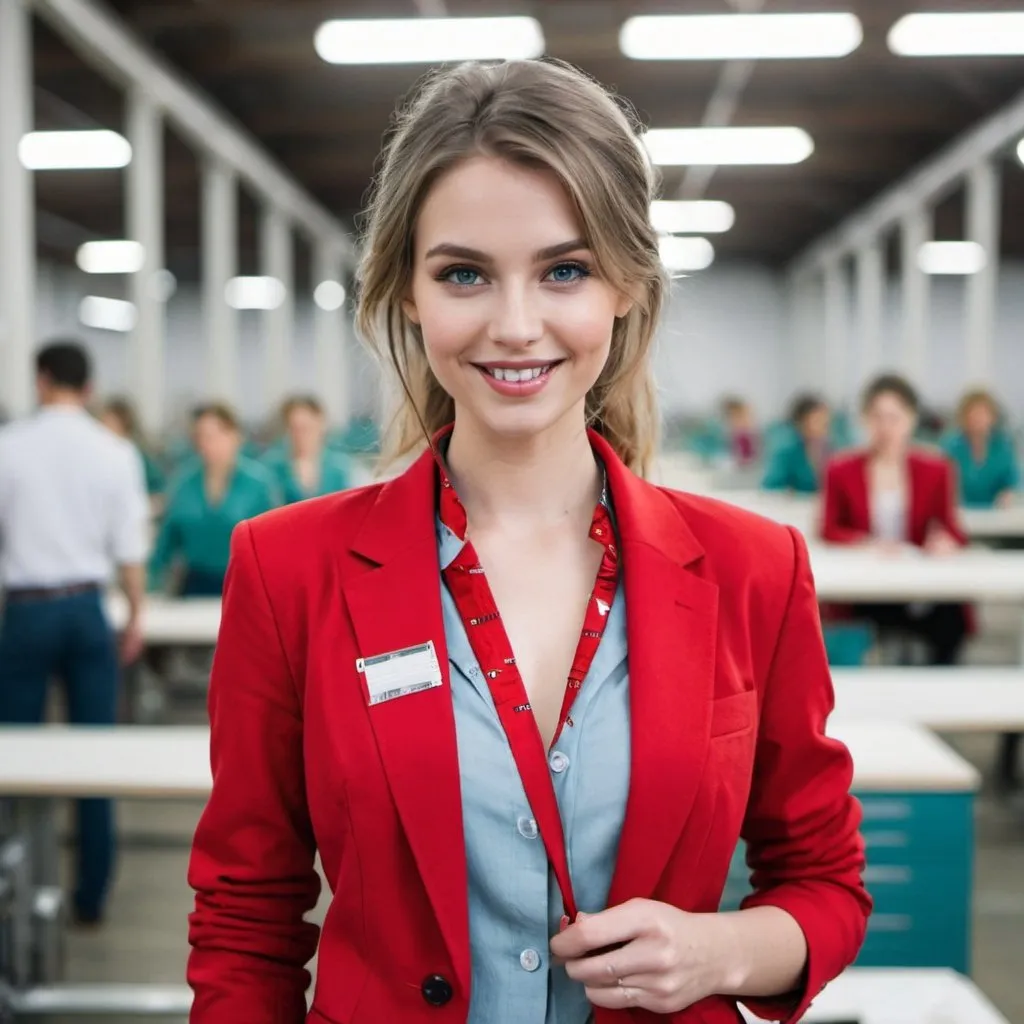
889 456
62 400
535 481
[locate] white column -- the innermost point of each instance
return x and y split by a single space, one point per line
870 308
278 323
983 213
916 229
17 213
145 218
837 333
220 261
331 334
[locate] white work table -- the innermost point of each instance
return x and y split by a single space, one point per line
117 761
895 995
961 699
850 574
842 574
173 761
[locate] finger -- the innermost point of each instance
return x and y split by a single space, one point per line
618 997
590 932
636 958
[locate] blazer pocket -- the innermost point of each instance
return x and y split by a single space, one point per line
734 714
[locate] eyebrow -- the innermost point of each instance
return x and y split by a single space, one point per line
478 256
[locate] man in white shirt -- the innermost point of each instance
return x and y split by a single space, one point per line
73 509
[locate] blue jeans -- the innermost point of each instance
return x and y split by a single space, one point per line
68 637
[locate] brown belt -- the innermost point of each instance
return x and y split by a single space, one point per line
17 595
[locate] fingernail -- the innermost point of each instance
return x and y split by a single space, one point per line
564 923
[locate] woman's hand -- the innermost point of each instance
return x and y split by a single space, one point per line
940 542
661 958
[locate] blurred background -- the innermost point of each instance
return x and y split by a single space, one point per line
842 196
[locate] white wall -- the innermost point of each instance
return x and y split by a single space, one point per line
61 290
725 330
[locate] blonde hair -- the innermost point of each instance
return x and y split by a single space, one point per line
977 396
541 114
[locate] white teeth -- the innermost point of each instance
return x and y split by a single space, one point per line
517 376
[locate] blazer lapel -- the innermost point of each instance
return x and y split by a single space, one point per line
397 604
672 617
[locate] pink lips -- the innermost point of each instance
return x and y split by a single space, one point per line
520 388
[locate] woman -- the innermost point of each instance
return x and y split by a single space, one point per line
367 705
118 415
206 501
796 464
306 467
891 495
982 453
740 431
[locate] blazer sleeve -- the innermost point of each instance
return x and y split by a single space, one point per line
833 528
802 825
253 852
949 515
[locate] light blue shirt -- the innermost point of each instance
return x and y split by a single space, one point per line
514 902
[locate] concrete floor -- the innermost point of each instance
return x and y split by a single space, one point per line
145 937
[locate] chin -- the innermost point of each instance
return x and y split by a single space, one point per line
521 423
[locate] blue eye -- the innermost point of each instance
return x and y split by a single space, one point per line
568 273
463 276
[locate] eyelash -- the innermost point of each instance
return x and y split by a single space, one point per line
582 270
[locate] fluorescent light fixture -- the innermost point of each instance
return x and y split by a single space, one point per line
978 34
254 293
959 258
107 314
58 151
679 254
675 147
739 36
116 256
427 40
672 216
329 295
1020 151
162 285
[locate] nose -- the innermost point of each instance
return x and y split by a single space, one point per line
515 319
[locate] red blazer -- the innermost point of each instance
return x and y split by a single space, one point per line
931 489
729 691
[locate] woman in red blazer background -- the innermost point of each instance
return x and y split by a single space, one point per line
890 495
426 681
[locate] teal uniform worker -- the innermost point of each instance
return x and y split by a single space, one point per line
304 467
72 510
205 503
989 476
983 454
118 414
795 465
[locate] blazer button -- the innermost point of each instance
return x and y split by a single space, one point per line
436 990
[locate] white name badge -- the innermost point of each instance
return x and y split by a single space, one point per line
399 673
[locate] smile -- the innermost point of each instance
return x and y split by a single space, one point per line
519 380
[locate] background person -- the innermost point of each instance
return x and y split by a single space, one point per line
72 509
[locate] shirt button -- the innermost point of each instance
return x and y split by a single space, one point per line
527 828
529 960
558 762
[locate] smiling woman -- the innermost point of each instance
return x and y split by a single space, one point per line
522 702
513 207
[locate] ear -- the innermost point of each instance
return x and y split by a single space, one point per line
409 308
624 304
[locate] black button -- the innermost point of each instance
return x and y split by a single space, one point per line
436 990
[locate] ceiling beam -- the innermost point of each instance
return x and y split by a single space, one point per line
105 43
923 187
